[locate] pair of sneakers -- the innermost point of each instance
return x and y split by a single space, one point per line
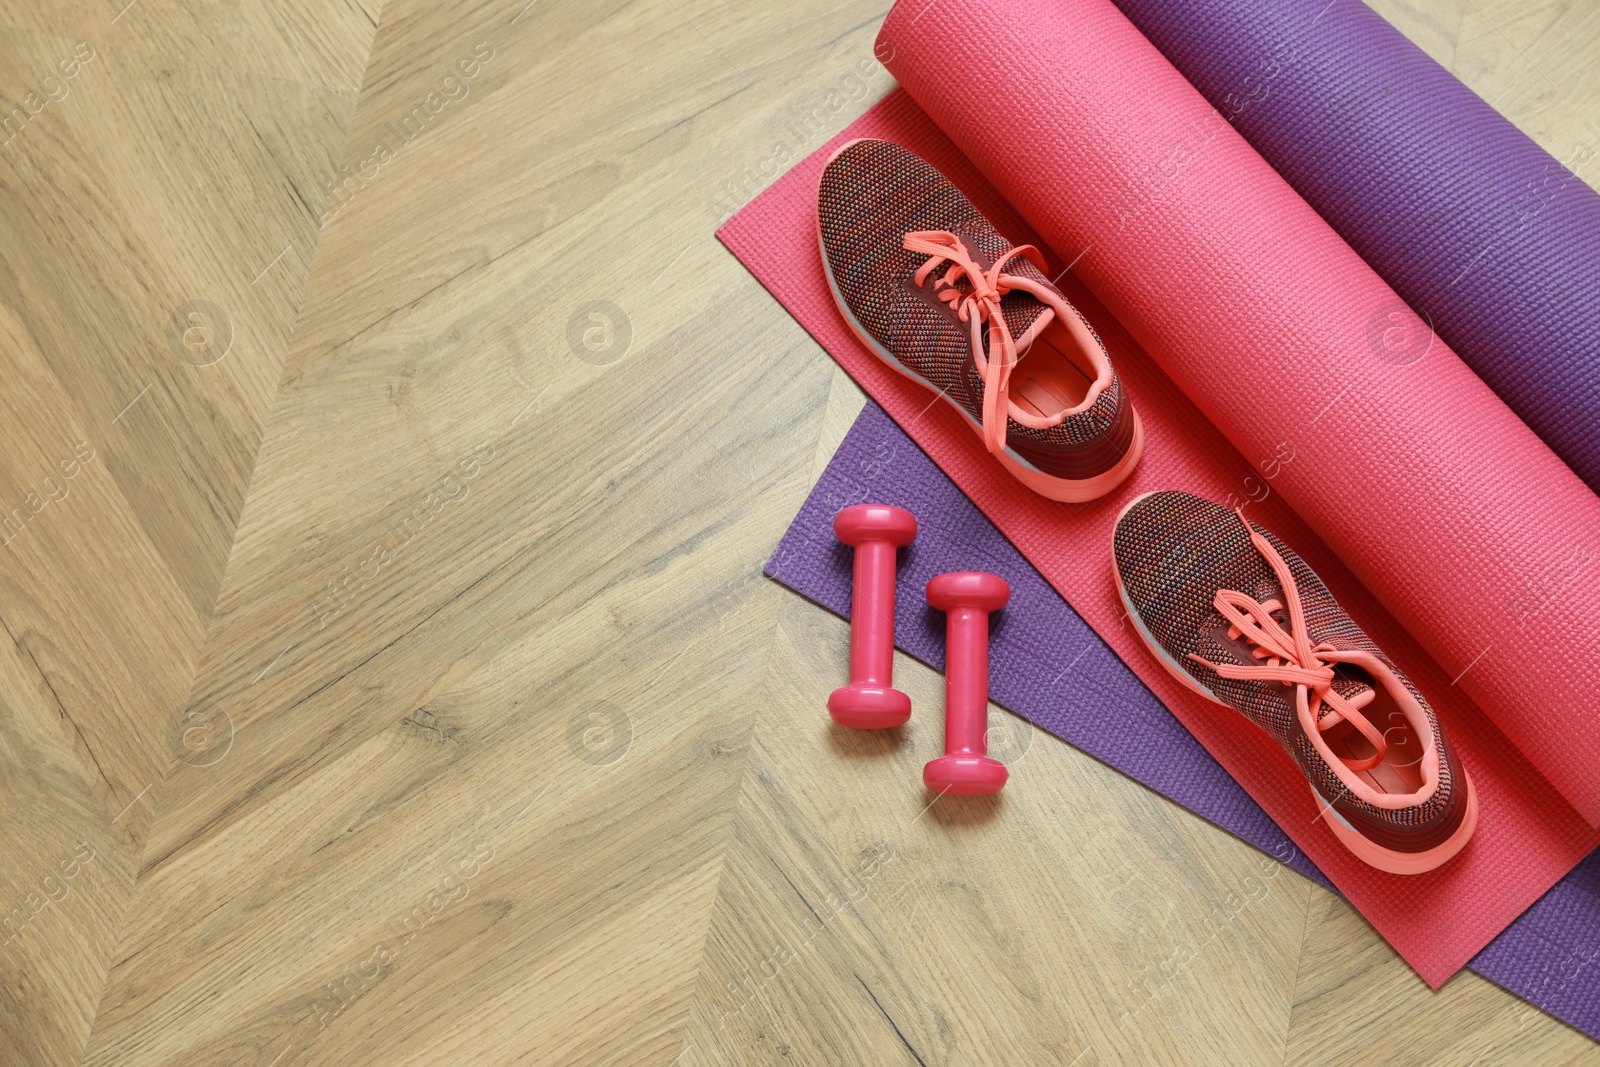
929 285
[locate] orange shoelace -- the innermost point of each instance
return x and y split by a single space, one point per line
976 305
1291 659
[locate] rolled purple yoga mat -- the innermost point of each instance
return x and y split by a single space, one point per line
1049 667
1479 229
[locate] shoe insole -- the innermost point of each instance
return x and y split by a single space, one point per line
1401 769
1053 376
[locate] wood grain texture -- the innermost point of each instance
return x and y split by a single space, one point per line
402 687
150 157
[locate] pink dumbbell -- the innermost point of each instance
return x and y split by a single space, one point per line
870 701
966 769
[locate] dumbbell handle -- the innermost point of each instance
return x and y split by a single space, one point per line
966 681
872 614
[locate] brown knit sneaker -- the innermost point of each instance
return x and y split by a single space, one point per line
918 273
1238 617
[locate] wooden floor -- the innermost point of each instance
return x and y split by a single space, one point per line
388 455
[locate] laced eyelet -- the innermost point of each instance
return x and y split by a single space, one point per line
1292 660
977 307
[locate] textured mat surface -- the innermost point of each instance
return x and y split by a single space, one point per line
1050 668
1527 836
1472 223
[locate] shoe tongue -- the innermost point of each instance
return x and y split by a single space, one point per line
1035 328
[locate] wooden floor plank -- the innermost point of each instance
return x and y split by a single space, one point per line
154 174
436 535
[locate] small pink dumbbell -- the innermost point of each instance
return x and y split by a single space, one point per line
870 701
966 769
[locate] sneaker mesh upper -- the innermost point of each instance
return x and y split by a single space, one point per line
1173 552
872 194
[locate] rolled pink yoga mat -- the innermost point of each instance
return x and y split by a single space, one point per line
1445 505
1388 146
